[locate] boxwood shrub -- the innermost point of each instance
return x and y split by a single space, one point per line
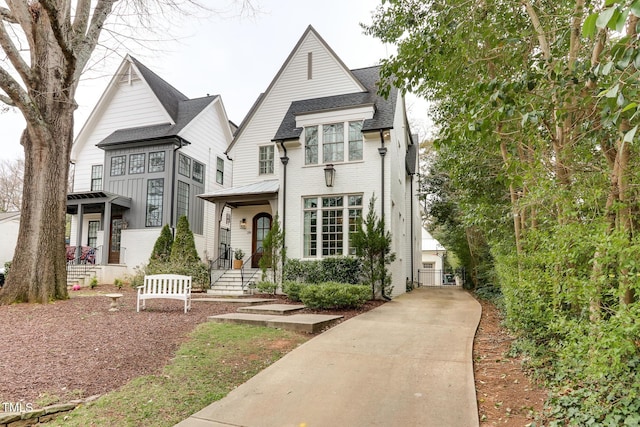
292 289
341 269
334 295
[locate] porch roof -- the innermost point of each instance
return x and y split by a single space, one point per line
95 198
257 193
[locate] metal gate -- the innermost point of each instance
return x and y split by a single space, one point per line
432 277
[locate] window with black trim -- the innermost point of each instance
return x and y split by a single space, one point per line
198 172
118 164
184 165
219 170
156 161
182 208
96 177
136 163
155 194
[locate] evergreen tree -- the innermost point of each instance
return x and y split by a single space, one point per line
162 248
273 253
373 246
184 247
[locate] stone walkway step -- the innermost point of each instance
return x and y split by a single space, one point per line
245 301
309 323
280 309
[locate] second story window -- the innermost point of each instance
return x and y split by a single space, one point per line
184 165
118 164
182 208
198 172
355 141
266 154
333 143
136 163
311 145
156 161
219 170
155 198
96 177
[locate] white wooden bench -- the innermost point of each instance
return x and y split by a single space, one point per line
165 286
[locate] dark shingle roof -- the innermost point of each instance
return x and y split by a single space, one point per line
369 77
186 111
166 94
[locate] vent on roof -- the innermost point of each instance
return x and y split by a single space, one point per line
310 66
129 76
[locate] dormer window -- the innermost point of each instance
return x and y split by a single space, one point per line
331 138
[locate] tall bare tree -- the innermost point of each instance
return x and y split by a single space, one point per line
46 45
11 174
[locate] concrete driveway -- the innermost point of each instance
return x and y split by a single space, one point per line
405 363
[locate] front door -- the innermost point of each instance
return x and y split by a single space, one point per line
261 226
114 239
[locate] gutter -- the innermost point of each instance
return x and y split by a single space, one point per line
285 160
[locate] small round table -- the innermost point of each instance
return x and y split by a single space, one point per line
114 301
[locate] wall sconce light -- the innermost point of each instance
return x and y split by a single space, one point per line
243 223
329 175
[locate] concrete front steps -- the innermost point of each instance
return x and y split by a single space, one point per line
230 283
277 316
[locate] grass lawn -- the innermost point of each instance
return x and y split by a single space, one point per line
216 359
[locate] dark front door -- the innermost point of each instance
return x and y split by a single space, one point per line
261 226
114 239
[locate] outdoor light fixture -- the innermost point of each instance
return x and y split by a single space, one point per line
243 223
329 175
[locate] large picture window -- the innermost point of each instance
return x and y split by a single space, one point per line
339 219
118 164
155 194
266 154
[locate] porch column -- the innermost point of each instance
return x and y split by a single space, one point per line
79 231
107 233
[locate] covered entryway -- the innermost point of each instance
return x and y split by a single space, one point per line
111 207
261 227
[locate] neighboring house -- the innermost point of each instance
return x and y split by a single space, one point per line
9 226
314 149
141 158
433 253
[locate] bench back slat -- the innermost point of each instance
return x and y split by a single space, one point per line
167 284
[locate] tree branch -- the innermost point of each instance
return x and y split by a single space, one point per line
14 56
60 29
15 93
537 26
7 16
6 100
576 30
22 15
83 51
81 20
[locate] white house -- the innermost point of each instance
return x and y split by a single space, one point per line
316 146
433 253
141 158
9 226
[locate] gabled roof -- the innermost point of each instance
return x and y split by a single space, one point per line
369 77
251 194
186 111
263 96
168 95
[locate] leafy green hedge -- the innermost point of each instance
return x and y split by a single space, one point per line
338 269
334 295
292 289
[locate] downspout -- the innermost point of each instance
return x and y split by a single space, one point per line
382 151
411 225
285 160
173 188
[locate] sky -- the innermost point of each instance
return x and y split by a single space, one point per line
235 57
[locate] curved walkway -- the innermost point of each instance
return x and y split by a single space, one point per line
406 363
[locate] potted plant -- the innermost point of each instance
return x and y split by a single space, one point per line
237 262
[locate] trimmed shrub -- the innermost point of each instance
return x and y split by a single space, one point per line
198 271
267 287
334 295
292 289
184 247
338 269
162 248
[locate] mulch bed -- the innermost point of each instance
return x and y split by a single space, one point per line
77 348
